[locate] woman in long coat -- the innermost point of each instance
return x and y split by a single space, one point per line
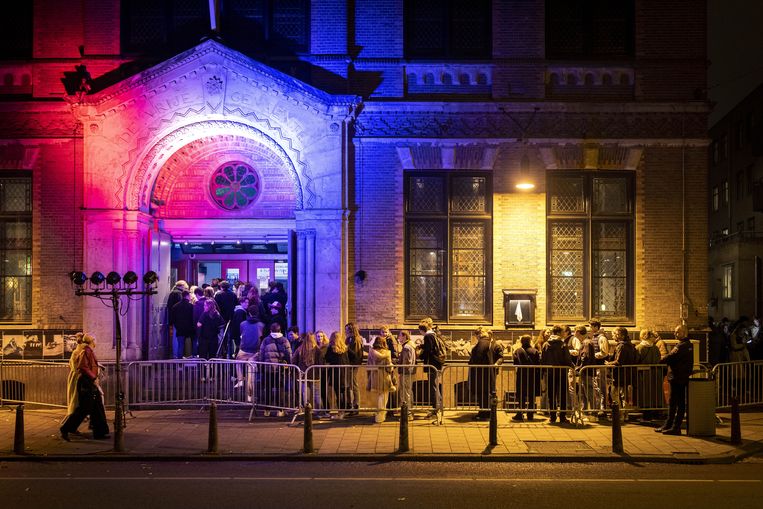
71 379
89 395
380 376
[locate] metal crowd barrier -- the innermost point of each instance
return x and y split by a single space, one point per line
519 389
636 387
33 382
741 380
333 389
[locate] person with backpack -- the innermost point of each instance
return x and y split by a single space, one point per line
528 379
433 356
274 350
355 355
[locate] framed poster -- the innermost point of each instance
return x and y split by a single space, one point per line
32 344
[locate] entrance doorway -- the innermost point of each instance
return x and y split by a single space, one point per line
255 263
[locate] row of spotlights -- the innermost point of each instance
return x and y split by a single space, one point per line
97 278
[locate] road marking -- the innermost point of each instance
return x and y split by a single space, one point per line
365 479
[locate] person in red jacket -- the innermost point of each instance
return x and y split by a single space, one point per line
89 395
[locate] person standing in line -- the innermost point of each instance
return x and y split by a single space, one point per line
623 376
198 309
481 379
338 374
355 354
379 376
407 370
601 344
185 327
275 350
209 326
649 394
239 316
175 296
309 354
528 379
557 358
680 363
89 395
431 357
251 332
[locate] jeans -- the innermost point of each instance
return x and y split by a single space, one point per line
435 388
677 405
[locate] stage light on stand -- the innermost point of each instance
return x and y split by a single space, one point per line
113 278
130 278
78 278
97 278
150 278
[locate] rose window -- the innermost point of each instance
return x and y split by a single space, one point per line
234 186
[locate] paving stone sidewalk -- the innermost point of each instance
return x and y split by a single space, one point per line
184 434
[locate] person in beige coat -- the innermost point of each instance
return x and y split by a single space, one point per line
71 380
380 379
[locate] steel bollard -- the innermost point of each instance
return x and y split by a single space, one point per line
493 420
213 446
736 425
18 436
307 448
403 447
617 431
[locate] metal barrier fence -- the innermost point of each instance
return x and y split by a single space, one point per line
342 389
34 382
741 380
638 387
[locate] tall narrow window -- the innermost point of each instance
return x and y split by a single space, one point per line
728 278
716 198
448 231
590 230
15 249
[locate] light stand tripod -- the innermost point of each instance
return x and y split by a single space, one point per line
114 295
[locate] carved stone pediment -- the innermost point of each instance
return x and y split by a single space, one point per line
132 128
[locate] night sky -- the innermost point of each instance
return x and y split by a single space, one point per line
735 51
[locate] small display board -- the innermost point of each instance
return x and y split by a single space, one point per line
519 308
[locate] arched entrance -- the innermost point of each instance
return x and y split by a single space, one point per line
224 207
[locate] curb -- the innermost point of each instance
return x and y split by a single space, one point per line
424 458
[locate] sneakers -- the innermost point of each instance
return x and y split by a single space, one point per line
266 413
518 418
661 429
248 399
280 413
672 431
239 384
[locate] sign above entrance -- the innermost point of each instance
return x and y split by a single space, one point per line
232 248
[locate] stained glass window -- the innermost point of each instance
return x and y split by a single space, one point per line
234 186
590 256
448 227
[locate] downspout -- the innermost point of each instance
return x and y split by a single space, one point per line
684 264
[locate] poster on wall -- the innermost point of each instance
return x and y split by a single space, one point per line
282 271
32 345
53 345
263 278
232 275
13 346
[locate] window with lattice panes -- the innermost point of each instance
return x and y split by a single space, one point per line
728 279
448 226
590 246
15 248
448 29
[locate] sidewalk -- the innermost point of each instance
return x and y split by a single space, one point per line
183 434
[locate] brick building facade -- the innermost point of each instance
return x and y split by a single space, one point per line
383 141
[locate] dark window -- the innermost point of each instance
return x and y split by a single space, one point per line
740 184
593 29
716 198
448 29
16 249
748 177
590 239
16 30
275 26
448 230
725 193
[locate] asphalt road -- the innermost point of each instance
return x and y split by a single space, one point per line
389 485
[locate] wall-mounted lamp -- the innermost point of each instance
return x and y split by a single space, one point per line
524 180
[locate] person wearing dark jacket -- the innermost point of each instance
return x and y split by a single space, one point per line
239 315
557 357
482 380
355 354
185 327
226 301
175 296
623 378
251 333
209 326
428 358
528 379
680 363
274 305
337 378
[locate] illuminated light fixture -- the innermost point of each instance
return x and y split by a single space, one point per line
130 278
78 278
97 278
525 182
113 278
150 278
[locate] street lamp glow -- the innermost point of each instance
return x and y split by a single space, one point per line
525 185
